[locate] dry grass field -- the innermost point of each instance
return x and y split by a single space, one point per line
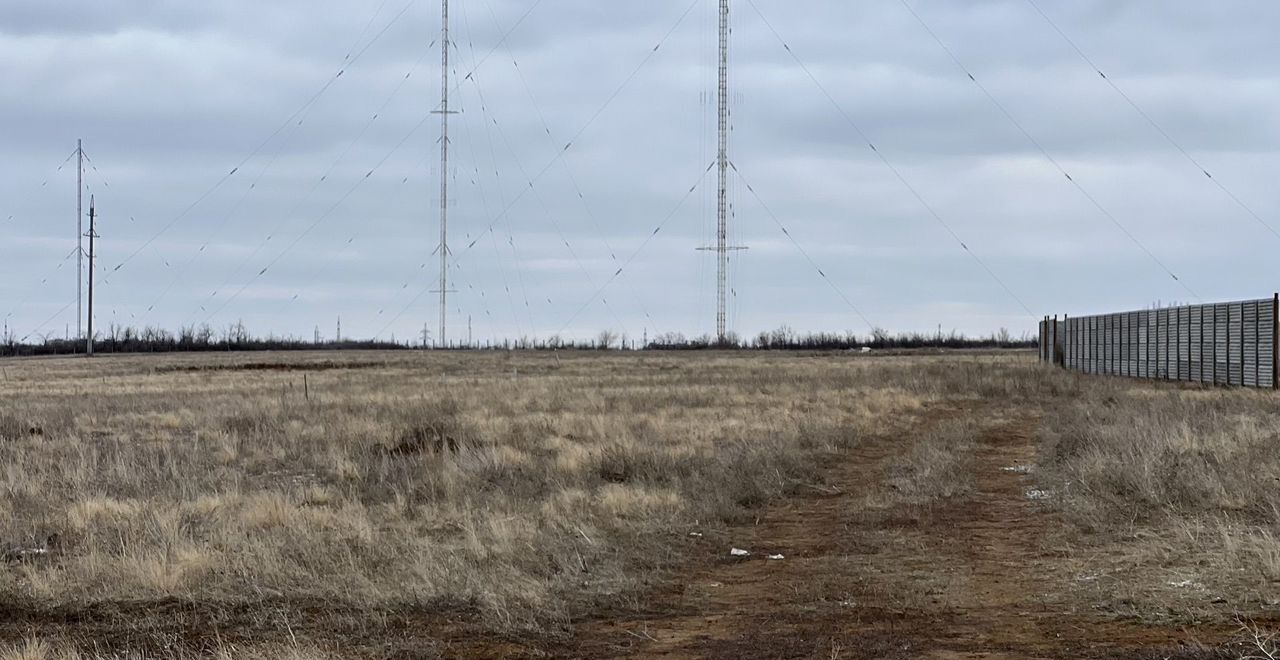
395 505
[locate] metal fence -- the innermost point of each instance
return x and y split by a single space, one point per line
1221 344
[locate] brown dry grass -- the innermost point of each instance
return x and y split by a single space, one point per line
525 488
523 491
1177 490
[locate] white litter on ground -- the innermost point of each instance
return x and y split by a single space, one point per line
696 535
736 552
776 557
1039 494
1018 469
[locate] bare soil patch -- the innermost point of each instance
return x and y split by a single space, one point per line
866 576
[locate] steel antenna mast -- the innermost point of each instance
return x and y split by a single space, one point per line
722 248
444 113
80 238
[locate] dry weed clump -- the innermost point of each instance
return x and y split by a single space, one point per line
523 488
1183 481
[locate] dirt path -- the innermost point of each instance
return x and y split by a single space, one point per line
865 577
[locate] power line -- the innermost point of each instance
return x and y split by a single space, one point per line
595 116
297 116
501 216
897 173
564 162
1154 124
1045 152
821 273
484 200
324 177
501 41
360 182
643 245
31 290
537 195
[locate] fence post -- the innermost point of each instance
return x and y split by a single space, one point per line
1053 349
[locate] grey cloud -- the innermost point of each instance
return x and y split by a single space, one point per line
171 95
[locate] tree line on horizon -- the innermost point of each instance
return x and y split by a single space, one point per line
236 337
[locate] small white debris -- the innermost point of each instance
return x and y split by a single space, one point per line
696 535
776 557
1018 469
1039 494
847 603
715 585
1186 584
736 552
866 349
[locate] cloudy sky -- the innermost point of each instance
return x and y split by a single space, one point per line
333 209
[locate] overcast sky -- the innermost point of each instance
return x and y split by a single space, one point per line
341 208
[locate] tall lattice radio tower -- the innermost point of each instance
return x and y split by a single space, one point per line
722 247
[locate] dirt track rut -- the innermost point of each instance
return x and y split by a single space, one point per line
973 577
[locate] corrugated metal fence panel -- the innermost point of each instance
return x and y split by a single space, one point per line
1235 348
1104 344
1250 344
1108 345
1130 347
1073 340
1152 345
1113 335
1184 343
1117 329
1069 355
1090 345
1208 347
1134 343
1266 344
1196 339
1083 342
1220 344
1227 343
1208 313
1162 343
1143 346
